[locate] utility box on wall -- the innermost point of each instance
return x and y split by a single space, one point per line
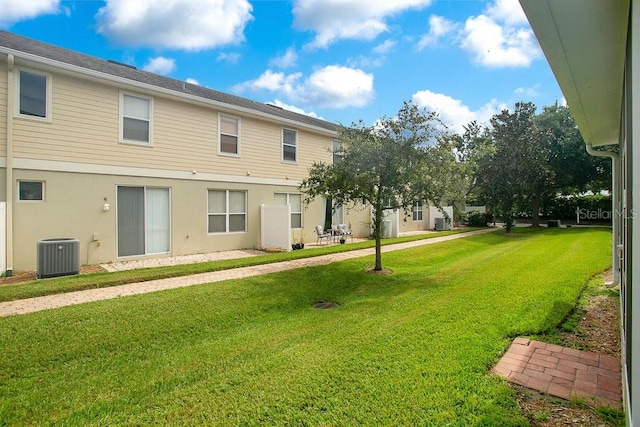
442 224
58 257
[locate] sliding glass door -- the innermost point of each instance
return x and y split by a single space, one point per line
143 221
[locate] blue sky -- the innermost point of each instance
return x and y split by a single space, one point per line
340 60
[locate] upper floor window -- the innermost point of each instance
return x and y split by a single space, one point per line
34 91
32 191
417 211
136 119
227 211
295 201
289 145
229 140
336 151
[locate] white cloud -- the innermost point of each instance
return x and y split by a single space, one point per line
332 86
438 28
500 37
333 20
530 92
160 65
453 112
175 24
508 11
18 10
230 57
295 109
273 82
286 60
193 81
384 47
362 61
339 87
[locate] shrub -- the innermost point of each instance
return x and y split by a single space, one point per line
566 207
477 219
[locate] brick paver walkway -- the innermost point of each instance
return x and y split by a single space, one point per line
563 372
71 298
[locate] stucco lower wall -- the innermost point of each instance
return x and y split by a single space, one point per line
73 207
407 223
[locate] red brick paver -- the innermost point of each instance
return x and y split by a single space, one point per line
563 372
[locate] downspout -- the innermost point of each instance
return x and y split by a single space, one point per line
615 217
9 165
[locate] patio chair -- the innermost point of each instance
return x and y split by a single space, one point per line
343 231
322 234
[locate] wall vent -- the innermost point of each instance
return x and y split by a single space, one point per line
58 257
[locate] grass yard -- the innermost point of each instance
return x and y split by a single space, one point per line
411 348
11 292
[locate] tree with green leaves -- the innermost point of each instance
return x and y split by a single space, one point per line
517 173
576 171
466 150
390 165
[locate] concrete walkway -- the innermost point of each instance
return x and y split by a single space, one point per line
563 372
179 260
31 305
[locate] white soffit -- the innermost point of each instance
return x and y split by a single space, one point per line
585 44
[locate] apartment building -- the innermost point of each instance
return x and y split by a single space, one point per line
134 164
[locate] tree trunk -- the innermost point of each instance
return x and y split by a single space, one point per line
535 211
508 217
378 235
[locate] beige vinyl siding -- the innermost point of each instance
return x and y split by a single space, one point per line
3 108
85 128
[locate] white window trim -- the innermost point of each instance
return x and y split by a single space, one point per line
224 153
121 120
295 212
336 150
49 84
282 144
44 194
415 210
227 213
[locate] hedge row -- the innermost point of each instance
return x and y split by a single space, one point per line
590 208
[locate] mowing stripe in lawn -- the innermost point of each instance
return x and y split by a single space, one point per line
31 305
411 348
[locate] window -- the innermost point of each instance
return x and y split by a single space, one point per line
417 211
34 95
289 145
229 141
32 191
227 212
136 119
336 151
295 200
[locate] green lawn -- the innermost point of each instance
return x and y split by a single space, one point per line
102 280
411 348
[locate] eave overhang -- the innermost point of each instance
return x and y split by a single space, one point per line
584 42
